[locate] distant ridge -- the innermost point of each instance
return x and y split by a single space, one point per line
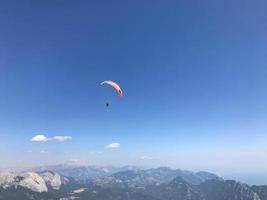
65 182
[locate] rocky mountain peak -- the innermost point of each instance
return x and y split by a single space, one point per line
53 179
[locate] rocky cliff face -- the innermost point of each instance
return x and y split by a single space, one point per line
229 189
32 181
28 180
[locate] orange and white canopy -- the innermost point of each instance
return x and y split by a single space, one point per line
114 85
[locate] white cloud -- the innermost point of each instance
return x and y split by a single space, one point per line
43 152
113 145
43 138
39 138
61 138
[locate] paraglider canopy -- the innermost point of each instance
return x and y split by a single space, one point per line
114 85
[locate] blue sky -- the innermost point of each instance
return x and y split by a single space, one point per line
193 74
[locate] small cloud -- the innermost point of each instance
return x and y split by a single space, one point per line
39 138
113 145
146 158
29 151
61 138
43 138
43 152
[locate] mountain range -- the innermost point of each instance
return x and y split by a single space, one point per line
66 182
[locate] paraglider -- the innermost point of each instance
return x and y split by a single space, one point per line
115 86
